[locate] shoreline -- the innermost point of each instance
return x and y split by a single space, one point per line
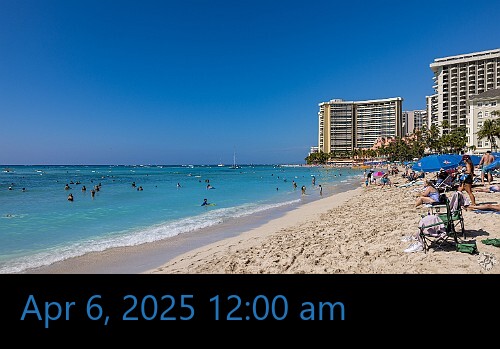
357 231
142 258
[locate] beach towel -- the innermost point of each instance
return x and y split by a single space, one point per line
494 242
486 211
457 201
429 228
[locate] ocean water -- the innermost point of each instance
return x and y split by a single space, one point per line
39 226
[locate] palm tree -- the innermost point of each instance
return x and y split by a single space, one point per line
489 130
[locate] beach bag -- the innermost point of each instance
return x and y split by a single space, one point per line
467 248
442 198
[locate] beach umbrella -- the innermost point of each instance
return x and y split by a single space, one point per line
493 166
433 163
378 174
476 159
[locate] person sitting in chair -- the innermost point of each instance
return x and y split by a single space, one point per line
428 196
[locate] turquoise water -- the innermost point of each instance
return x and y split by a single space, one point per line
39 226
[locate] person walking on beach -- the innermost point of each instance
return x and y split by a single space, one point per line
369 176
467 178
320 190
486 159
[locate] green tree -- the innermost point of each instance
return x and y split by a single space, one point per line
489 131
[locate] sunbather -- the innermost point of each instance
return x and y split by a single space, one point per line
428 196
491 189
485 207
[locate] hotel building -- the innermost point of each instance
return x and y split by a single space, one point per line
346 125
413 120
480 108
456 80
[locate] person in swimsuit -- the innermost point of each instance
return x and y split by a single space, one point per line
467 178
491 189
486 159
485 207
428 196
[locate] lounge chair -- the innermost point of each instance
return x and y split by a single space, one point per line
440 228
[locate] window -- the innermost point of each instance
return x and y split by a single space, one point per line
486 114
480 114
479 104
480 144
493 104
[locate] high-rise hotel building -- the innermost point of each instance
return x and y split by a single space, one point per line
456 80
413 120
346 125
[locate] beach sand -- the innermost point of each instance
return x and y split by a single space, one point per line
356 232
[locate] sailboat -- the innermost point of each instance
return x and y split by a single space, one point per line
234 161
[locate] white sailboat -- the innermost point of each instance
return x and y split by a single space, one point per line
234 161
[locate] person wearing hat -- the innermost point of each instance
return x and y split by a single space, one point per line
467 178
486 159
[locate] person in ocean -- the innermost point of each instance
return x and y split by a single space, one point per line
205 202
70 197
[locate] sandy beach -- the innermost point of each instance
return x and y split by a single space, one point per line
356 232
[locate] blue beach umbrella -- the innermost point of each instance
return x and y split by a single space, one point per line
476 159
433 163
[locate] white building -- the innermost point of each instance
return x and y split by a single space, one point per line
480 108
458 78
413 120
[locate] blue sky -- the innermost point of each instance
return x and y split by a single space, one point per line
192 81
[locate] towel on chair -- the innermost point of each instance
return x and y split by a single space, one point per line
433 230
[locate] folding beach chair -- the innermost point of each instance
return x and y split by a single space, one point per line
446 184
440 228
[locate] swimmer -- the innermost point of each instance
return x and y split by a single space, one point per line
205 202
70 197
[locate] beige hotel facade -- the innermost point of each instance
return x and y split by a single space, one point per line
347 125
